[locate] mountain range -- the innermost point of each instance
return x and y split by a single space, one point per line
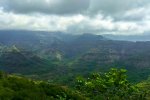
55 56
141 37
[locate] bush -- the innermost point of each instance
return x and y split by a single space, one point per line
112 85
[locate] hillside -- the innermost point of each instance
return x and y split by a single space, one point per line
20 88
41 55
112 85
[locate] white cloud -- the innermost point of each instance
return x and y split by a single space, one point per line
72 24
77 16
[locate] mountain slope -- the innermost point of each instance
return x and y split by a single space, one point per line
14 87
43 54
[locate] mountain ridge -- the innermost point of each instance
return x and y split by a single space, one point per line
44 54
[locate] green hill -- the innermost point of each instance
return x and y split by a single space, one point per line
40 55
18 88
112 85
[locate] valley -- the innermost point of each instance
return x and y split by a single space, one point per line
60 57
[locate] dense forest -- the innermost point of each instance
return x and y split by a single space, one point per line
40 55
59 66
112 85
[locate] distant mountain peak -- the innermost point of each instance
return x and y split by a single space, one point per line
92 37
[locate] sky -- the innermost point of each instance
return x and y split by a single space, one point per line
120 17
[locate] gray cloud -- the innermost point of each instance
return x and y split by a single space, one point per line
118 9
72 6
46 6
77 16
115 6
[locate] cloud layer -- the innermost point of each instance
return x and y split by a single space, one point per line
77 16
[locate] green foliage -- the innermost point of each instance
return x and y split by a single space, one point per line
145 87
112 85
19 88
63 54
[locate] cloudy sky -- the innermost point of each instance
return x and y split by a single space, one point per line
125 17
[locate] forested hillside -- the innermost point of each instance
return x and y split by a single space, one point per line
19 88
40 55
112 85
74 49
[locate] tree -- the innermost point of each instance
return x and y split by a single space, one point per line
112 85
